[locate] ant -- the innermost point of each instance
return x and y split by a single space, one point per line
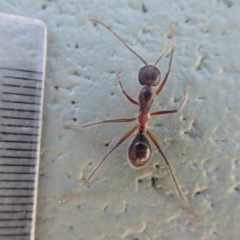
140 151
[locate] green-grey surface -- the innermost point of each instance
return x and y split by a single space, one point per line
201 142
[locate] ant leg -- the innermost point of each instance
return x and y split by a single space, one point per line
172 174
99 123
124 92
180 107
109 29
167 74
63 200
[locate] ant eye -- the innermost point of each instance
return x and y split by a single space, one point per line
149 75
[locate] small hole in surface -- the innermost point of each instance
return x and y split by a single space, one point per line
237 188
153 181
105 208
73 102
140 180
76 73
144 9
175 100
56 87
74 119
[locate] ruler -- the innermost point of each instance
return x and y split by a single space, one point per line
22 66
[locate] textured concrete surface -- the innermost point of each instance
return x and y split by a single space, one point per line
201 142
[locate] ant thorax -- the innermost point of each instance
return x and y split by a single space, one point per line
146 98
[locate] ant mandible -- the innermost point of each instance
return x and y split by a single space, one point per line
140 151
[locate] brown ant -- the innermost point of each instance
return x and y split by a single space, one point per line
140 151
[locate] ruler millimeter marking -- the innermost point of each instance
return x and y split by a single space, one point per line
22 66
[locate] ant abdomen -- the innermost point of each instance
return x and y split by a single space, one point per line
139 152
149 75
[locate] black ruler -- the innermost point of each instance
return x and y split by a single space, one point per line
22 66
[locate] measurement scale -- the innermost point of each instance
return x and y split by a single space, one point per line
22 69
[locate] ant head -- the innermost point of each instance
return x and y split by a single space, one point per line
149 75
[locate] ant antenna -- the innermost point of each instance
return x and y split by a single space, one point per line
171 34
171 46
108 28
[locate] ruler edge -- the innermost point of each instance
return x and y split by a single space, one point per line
44 27
26 20
40 23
